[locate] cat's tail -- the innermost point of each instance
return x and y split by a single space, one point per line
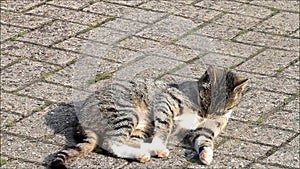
87 141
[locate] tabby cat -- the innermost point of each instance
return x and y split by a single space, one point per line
134 119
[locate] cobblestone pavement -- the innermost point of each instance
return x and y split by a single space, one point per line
43 40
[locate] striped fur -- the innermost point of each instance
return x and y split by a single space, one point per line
134 120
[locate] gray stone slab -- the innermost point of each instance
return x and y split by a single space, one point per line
8 32
284 119
34 151
214 45
257 133
194 13
19 19
287 155
237 21
218 31
148 67
292 5
292 71
7 60
38 52
68 15
22 165
269 62
268 40
141 44
263 166
198 67
129 2
22 105
281 23
222 161
108 9
144 16
256 103
276 84
245 149
104 35
296 34
8 119
168 29
23 73
49 92
178 52
74 4
20 5
236 7
293 105
54 32
69 75
125 25
74 44
122 55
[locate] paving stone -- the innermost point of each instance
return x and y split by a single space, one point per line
49 92
141 44
40 125
256 103
22 73
262 82
74 44
108 9
293 105
268 40
167 29
129 2
144 16
218 31
178 52
21 165
68 15
85 70
284 119
54 32
34 151
19 19
7 60
7 119
20 5
220 5
222 161
296 34
253 11
245 149
269 62
125 25
198 67
150 67
292 5
195 13
122 55
170 78
281 23
104 35
22 105
10 32
287 155
74 4
263 166
214 45
38 52
257 133
237 21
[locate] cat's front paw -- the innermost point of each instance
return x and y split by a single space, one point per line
158 148
143 158
205 155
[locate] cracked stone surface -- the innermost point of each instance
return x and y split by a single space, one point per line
55 53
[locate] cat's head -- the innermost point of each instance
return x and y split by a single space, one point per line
220 90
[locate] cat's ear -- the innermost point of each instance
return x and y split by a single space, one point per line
240 84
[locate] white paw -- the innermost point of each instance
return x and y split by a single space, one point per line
206 155
157 148
145 157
